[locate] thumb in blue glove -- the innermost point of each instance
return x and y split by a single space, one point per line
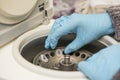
87 27
102 65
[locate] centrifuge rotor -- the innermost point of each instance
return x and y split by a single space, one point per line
57 60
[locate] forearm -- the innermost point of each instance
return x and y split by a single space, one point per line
114 12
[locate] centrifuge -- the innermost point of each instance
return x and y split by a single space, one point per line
27 59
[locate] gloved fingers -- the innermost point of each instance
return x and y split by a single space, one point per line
73 46
58 23
47 44
92 64
85 67
104 62
94 59
54 27
78 42
53 40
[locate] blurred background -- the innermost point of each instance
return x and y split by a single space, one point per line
67 7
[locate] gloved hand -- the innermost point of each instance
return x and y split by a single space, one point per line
103 65
87 27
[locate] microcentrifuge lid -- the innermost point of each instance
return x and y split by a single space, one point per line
14 11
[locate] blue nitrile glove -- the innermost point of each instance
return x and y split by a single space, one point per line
103 65
87 27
